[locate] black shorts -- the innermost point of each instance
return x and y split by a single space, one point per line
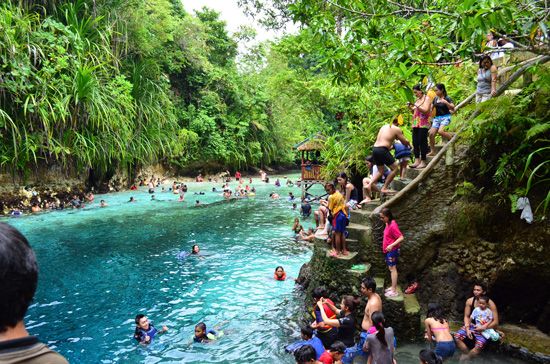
382 156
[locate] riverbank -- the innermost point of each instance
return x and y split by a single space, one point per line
55 187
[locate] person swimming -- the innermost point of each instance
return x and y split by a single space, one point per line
205 336
145 331
280 274
195 250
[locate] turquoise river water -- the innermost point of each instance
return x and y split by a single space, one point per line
99 267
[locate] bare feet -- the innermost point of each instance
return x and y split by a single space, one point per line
415 164
387 192
431 154
421 165
345 252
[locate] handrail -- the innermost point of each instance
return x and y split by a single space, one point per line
426 171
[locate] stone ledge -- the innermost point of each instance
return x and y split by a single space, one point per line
359 271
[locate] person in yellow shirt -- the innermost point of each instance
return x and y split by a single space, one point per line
337 207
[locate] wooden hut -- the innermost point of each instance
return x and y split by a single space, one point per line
311 167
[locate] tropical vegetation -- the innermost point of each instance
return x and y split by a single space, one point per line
120 84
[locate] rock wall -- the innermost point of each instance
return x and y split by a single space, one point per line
456 233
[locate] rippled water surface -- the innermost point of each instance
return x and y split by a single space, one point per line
99 267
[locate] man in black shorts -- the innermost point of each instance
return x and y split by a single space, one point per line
381 153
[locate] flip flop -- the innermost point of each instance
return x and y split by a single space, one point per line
390 192
391 293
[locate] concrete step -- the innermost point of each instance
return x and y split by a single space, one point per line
371 205
412 173
353 244
379 285
350 256
360 216
398 298
359 232
359 270
399 184
411 303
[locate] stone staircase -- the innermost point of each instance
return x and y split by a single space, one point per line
366 259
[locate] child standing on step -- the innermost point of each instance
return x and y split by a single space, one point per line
338 211
390 246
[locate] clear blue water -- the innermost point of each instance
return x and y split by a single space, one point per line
99 267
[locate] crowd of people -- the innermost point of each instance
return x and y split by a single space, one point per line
333 335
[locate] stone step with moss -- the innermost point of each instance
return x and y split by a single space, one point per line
359 232
360 216
371 205
399 184
379 285
403 314
351 256
360 269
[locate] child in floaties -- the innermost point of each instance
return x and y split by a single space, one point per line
205 336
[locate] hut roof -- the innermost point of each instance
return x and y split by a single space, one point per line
314 142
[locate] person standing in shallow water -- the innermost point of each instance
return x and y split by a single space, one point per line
437 329
18 281
421 123
390 246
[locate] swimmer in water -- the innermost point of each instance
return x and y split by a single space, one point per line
152 197
132 199
280 274
202 335
145 331
195 250
102 203
197 203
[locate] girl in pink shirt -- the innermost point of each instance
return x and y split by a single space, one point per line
390 246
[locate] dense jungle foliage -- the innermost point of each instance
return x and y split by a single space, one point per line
118 84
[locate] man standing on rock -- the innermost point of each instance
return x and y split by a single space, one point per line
374 303
469 331
381 153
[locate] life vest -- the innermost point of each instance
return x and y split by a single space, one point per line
277 278
141 333
316 313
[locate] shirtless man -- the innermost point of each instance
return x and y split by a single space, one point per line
374 302
474 332
381 153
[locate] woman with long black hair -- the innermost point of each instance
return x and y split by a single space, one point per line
421 110
380 345
437 329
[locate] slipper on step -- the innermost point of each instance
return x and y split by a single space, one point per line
391 293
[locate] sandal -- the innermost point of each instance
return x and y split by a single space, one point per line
412 288
391 293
